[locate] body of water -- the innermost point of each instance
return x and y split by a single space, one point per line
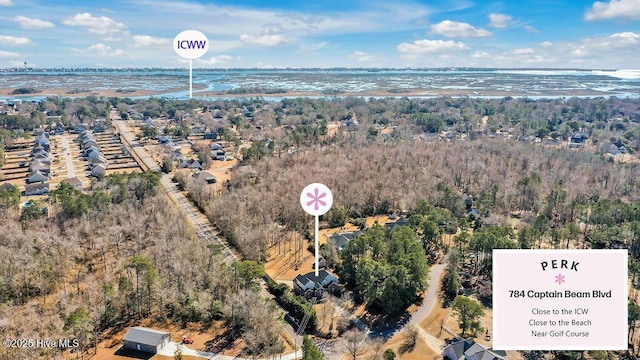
315 83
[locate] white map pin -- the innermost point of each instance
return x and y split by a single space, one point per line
316 199
191 44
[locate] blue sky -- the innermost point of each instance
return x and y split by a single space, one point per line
323 33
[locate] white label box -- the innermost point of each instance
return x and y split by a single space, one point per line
560 299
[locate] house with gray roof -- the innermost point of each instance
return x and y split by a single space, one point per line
99 170
74 181
37 176
204 177
401 222
144 339
309 285
39 166
468 349
340 239
36 189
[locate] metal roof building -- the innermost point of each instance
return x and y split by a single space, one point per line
145 339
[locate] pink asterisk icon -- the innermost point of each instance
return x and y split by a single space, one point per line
559 279
315 199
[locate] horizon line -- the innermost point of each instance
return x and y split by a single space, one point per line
449 68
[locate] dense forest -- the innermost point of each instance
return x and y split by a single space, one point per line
105 260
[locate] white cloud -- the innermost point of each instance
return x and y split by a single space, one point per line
361 56
232 21
480 55
613 9
626 38
149 41
102 25
580 51
6 3
8 54
531 29
31 23
454 29
524 51
104 50
546 44
499 20
12 40
215 60
267 40
420 47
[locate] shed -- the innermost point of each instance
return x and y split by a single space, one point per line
144 339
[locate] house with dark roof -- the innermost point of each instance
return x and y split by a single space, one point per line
100 159
43 141
99 170
59 129
41 156
309 285
89 143
78 128
468 349
93 153
614 149
210 135
38 148
36 189
144 339
99 127
189 164
579 137
340 239
401 222
7 186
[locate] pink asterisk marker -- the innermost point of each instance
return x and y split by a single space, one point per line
559 279
315 199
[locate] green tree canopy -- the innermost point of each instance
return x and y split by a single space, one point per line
310 351
469 312
386 268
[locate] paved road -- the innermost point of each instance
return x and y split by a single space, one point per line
171 348
71 172
431 297
203 227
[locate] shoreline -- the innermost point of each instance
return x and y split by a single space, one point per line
202 94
